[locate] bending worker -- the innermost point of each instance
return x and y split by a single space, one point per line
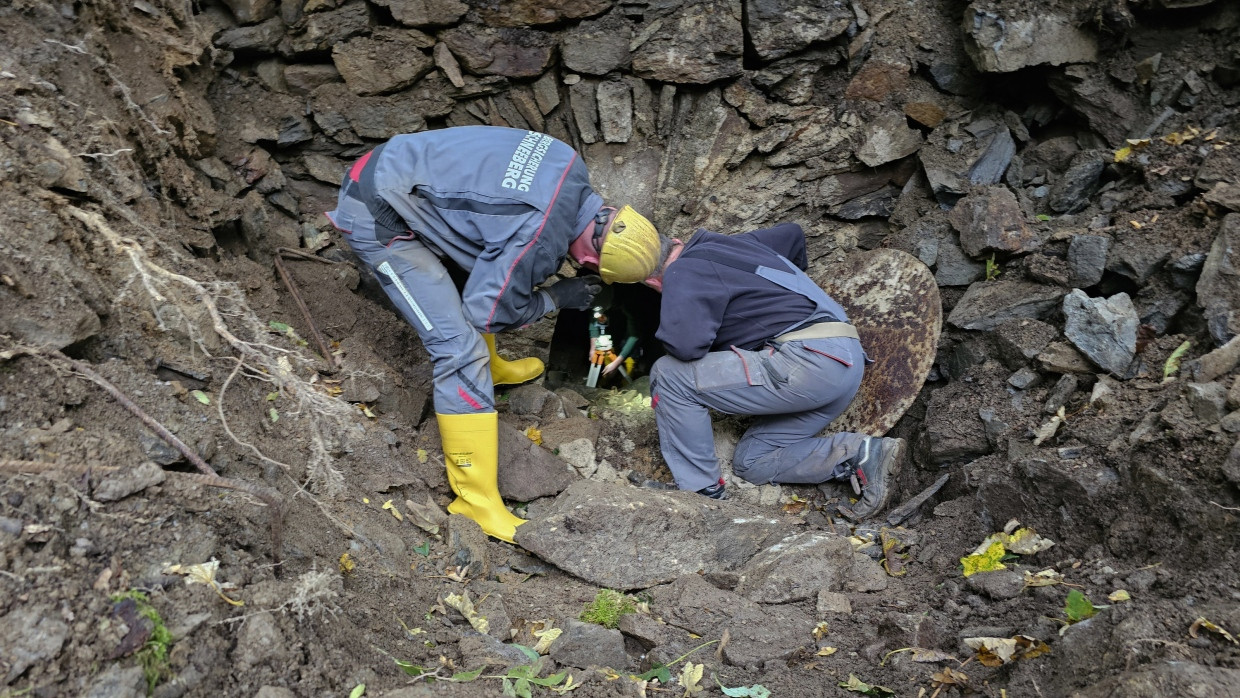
748 332
506 206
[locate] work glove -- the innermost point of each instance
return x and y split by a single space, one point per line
576 293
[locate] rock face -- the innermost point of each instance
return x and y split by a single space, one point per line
597 46
1105 330
778 28
990 220
702 43
661 535
513 53
386 61
1003 40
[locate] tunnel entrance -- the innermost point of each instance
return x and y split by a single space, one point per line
631 310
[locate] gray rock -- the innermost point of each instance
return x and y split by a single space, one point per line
661 535
477 649
157 450
122 483
1072 191
425 13
888 138
467 544
1224 194
274 692
528 399
832 603
11 526
1137 256
304 78
1020 340
953 267
323 30
989 220
251 11
513 53
118 682
1001 41
1088 91
336 108
909 630
700 43
584 645
876 203
262 37
1061 357
530 471
258 641
547 93
996 429
1024 379
584 101
328 170
1208 401
778 28
1167 679
865 575
615 111
952 429
293 130
988 304
758 633
1087 259
29 635
597 46
1060 394
1105 330
956 159
1230 422
521 13
386 61
1218 289
999 585
796 568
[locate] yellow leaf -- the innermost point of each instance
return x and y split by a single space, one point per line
346 563
827 651
1201 622
462 603
534 435
1026 541
422 455
820 630
690 676
392 508
1045 578
1123 153
1119 595
545 638
365 500
994 651
985 562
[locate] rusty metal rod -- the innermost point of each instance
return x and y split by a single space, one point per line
281 252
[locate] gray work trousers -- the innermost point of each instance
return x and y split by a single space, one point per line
418 283
795 388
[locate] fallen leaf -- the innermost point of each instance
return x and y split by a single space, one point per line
987 561
357 691
690 679
275 416
928 656
366 410
995 651
424 550
428 517
820 630
201 396
1026 541
463 604
1048 430
203 573
1172 366
546 636
346 563
755 691
856 685
422 455
533 434
1078 607
794 504
392 508
827 651
1045 578
893 561
272 396
1119 595
1201 622
949 677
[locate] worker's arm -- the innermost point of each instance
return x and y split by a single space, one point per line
787 239
692 308
501 292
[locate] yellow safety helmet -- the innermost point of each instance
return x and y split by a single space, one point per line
631 247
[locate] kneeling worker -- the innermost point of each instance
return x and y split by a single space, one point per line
748 332
507 207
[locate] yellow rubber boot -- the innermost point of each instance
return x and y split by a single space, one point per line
504 372
471 452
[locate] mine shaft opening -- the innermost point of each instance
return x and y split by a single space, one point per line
624 312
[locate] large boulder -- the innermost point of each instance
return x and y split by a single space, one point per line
1218 289
1104 329
778 28
988 304
989 220
386 61
1008 39
597 46
513 53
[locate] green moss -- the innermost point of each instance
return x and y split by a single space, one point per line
607 607
154 654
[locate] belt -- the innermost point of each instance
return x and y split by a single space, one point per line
821 330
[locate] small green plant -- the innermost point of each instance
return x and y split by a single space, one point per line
992 268
153 656
607 607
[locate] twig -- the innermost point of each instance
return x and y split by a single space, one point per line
1220 506
112 154
281 252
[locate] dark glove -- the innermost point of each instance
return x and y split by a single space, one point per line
575 293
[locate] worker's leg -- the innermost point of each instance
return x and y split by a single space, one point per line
417 282
782 447
764 382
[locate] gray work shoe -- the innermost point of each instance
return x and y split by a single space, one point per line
873 472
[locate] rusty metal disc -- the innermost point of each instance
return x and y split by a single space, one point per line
893 300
